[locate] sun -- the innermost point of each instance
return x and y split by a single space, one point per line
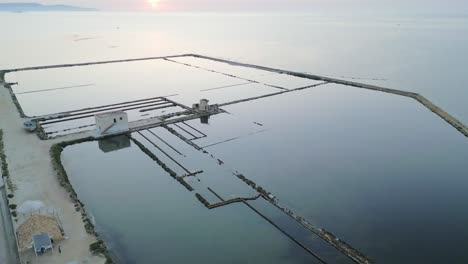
153 3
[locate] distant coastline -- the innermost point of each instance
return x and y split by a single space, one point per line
36 7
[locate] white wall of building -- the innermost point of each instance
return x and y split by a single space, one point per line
110 123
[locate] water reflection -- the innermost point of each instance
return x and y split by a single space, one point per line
160 221
114 143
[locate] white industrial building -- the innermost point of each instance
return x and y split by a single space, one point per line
203 106
111 123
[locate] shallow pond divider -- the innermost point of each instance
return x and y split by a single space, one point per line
170 129
350 252
223 201
162 164
13 96
252 184
55 151
202 200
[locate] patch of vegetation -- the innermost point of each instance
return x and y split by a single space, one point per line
184 183
10 195
252 184
12 206
97 247
4 165
202 200
14 214
100 248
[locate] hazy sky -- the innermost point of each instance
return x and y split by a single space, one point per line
423 6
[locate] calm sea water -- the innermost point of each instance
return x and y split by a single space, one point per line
380 171
419 53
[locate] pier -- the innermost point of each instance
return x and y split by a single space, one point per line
142 105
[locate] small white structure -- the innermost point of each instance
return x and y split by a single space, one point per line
111 122
203 106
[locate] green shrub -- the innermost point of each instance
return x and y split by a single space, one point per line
97 247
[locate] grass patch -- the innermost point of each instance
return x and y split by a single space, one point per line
99 247
4 165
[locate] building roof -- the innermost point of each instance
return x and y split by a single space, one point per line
110 114
41 241
37 224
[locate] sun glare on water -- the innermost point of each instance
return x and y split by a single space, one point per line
153 3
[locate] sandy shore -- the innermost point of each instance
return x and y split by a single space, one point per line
34 178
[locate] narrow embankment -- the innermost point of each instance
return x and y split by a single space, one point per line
431 106
444 115
340 245
90 63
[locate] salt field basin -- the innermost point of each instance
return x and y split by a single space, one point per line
313 170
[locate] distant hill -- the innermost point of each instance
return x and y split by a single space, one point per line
27 7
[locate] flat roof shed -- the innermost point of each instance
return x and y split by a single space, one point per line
41 242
